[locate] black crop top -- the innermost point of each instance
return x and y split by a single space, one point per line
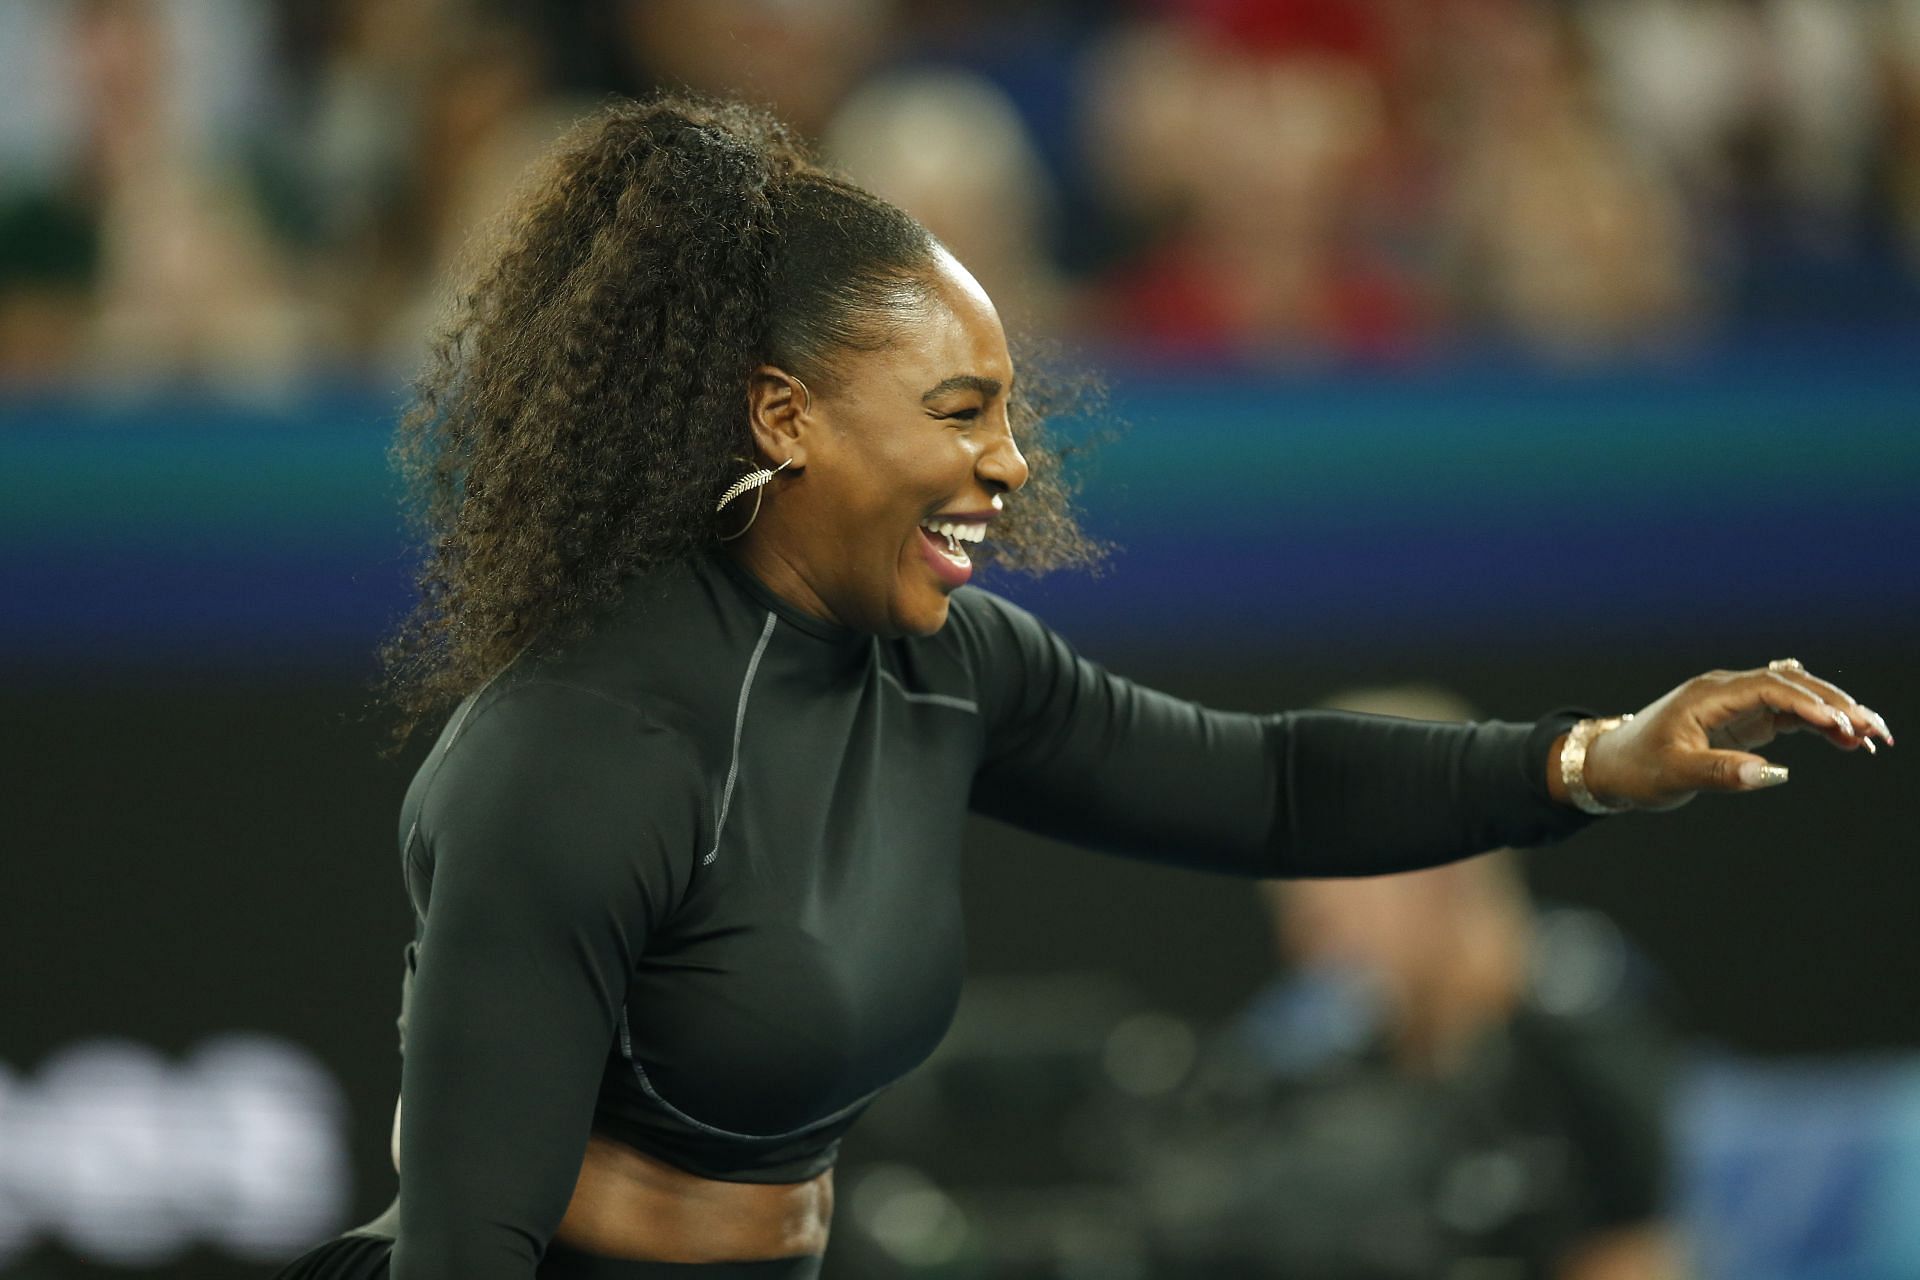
692 880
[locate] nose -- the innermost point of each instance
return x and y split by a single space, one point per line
1002 465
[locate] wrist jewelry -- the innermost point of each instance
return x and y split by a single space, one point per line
1573 763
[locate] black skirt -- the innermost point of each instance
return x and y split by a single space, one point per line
362 1254
348 1257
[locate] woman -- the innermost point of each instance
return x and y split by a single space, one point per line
684 858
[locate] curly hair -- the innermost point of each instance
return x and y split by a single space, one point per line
584 402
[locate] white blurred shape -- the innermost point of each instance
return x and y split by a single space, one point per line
272 1121
130 1160
105 1146
16 1220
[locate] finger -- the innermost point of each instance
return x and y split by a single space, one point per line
1832 695
1857 722
1865 719
1730 771
1785 722
1780 693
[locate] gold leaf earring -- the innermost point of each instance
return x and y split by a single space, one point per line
753 480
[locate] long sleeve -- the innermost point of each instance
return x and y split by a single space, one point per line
1074 752
556 832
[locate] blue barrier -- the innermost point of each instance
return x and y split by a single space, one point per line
1439 506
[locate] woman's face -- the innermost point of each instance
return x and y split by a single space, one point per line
911 436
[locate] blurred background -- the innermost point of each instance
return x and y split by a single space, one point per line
1549 352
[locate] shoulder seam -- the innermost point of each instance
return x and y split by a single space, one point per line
599 695
474 712
453 740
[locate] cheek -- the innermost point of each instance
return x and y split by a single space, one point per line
872 523
889 477
900 488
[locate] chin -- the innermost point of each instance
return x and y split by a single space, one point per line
922 619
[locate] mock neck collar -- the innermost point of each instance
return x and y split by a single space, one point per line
760 593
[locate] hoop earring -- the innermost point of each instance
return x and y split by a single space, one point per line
752 480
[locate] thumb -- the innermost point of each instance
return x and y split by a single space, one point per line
1735 771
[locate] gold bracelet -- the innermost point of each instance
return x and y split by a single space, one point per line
1573 764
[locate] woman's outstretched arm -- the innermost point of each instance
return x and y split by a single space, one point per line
1075 752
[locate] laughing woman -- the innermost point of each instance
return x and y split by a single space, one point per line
711 445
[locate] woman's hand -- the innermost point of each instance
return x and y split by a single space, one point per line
1701 736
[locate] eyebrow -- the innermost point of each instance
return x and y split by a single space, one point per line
988 387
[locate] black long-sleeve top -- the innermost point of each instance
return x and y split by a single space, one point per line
691 881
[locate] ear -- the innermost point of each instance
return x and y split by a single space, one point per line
780 413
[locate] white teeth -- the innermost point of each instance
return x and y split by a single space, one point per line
962 532
956 534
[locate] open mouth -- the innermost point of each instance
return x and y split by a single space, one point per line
950 539
945 544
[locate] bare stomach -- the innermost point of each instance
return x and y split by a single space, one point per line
627 1204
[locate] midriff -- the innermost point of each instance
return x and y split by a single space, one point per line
631 1205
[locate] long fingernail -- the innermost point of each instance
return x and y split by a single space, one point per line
1846 725
1754 774
1868 744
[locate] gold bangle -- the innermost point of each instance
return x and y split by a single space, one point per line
1573 764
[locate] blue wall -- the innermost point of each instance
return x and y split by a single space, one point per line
1737 493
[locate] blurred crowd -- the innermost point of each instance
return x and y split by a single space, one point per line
250 193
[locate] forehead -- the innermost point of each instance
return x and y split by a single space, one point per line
957 331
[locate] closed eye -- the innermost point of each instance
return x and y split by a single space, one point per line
958 415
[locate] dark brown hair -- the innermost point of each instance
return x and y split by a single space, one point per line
585 400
